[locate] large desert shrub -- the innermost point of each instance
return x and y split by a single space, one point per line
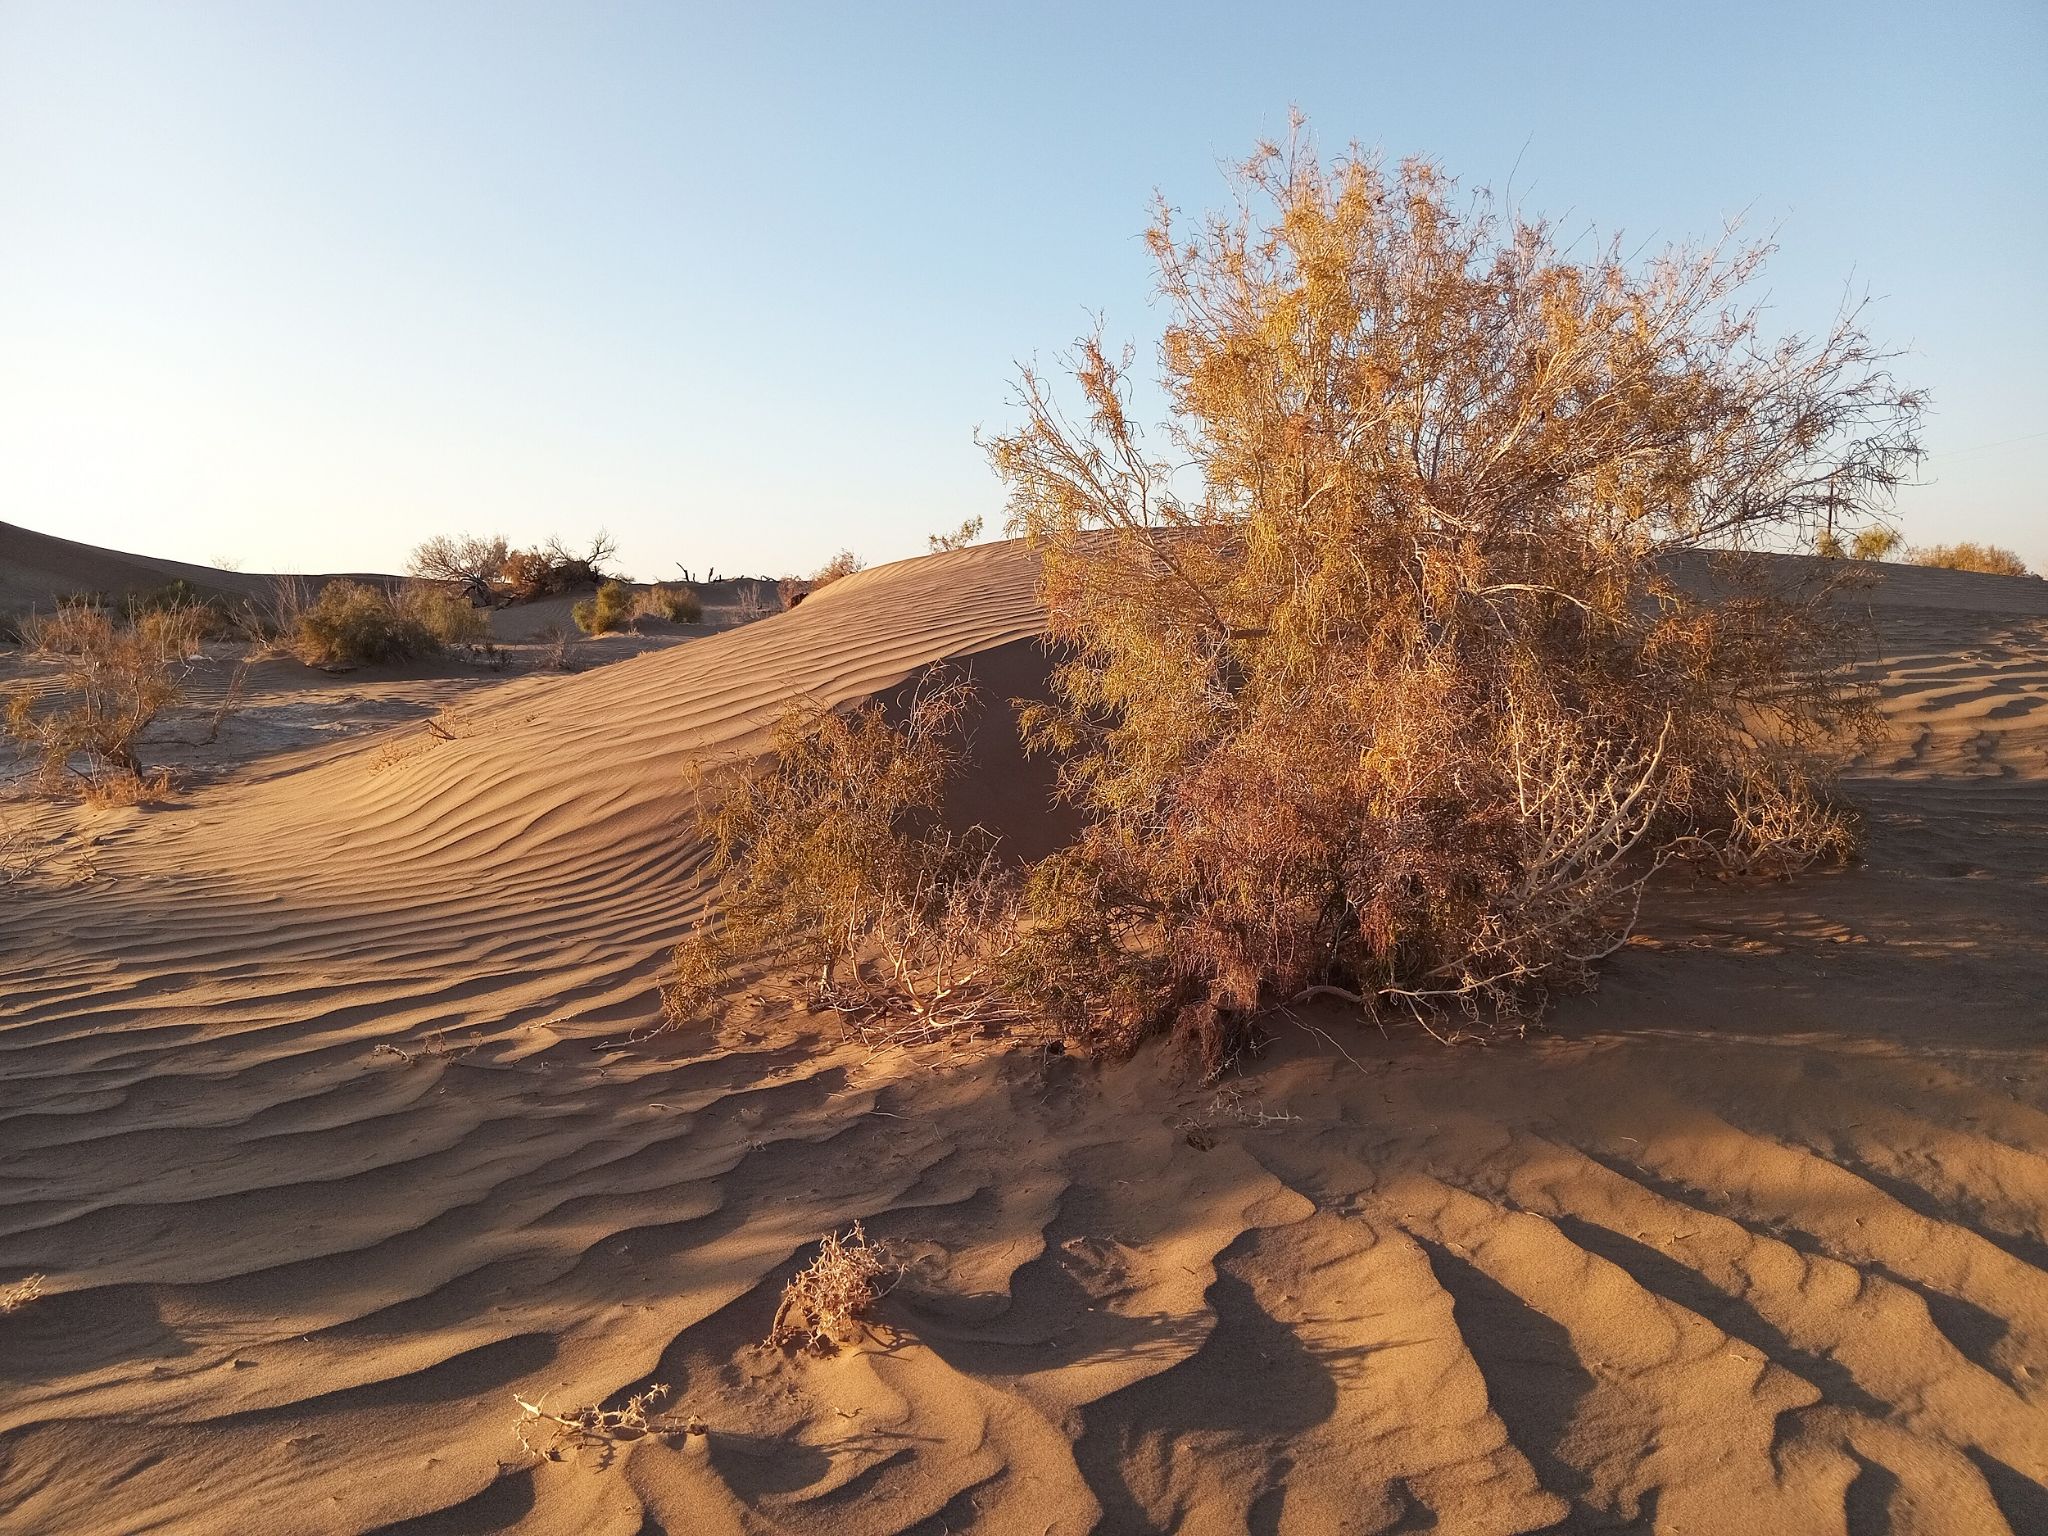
1382 685
828 856
352 623
114 678
1987 558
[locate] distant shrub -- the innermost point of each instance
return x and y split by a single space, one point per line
352 623
489 569
1986 558
959 538
446 613
606 611
678 605
114 680
473 563
845 563
1876 542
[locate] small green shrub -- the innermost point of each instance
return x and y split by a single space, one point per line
607 611
354 624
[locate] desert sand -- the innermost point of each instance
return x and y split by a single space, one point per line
329 1114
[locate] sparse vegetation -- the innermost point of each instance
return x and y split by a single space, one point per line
828 857
447 615
841 565
826 1299
114 679
675 604
606 610
353 623
966 534
489 569
1877 542
1986 558
19 1293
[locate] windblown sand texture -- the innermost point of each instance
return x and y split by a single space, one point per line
1754 1240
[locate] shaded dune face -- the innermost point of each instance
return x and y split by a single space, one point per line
1754 1239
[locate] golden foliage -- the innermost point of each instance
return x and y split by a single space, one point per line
1987 558
1393 693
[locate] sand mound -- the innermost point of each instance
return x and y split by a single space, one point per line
39 569
1756 1239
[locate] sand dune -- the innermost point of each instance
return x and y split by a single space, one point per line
1755 1239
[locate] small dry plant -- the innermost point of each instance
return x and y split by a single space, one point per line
829 857
557 649
113 680
831 1296
969 532
595 1428
20 1293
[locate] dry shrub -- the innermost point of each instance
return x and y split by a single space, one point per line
445 613
845 563
557 649
471 564
114 679
675 604
605 610
826 1299
353 623
1395 695
828 856
959 538
488 569
19 1293
553 568
1987 558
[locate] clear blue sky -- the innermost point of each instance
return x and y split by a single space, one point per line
298 283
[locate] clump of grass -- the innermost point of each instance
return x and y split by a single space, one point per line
832 1294
595 1428
1988 559
20 1293
676 604
353 623
606 610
